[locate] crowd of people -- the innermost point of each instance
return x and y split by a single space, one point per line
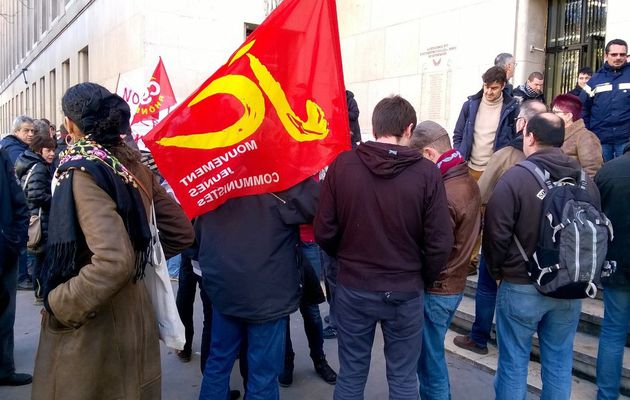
392 227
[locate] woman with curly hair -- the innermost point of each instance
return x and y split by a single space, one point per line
99 336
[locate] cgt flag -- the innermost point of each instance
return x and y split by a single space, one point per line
272 116
158 96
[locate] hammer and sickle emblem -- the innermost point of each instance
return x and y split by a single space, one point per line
250 95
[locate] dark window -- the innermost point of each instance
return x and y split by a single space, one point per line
575 39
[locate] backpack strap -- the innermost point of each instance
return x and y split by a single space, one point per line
541 175
582 179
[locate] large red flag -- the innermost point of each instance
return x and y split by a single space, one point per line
158 96
272 116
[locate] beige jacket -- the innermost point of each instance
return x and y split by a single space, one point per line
102 342
584 146
501 161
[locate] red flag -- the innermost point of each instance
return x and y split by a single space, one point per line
157 97
272 116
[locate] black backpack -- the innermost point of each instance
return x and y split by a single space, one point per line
570 256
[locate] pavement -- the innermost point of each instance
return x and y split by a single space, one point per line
181 381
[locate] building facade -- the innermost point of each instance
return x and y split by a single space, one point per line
432 53
50 45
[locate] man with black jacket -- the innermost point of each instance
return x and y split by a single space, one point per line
514 210
248 256
613 181
13 234
383 213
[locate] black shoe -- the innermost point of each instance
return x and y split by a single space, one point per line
26 284
235 394
184 356
325 372
16 380
285 379
329 332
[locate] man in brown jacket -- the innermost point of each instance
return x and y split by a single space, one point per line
444 295
485 297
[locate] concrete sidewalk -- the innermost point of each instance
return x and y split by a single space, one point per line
180 381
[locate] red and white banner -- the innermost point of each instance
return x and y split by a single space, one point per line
157 96
272 116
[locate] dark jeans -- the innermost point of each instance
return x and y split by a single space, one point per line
265 354
23 274
610 151
485 301
358 312
35 261
8 287
313 327
313 254
330 267
188 282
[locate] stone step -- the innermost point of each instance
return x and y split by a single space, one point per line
582 389
584 347
591 316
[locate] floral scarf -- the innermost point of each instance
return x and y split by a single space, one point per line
65 235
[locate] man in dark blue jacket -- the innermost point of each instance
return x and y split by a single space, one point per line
486 122
248 256
13 234
606 99
17 143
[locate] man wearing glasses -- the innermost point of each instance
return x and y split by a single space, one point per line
606 99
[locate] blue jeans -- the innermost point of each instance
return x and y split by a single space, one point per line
312 252
358 313
521 312
265 357
173 265
23 274
485 299
610 151
612 340
432 370
313 327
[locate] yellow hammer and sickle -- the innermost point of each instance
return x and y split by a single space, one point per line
244 90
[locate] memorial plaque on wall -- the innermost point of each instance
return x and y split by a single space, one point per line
436 84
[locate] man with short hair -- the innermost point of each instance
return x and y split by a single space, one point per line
13 235
514 211
17 143
606 101
486 293
584 74
442 298
507 62
532 89
486 122
383 214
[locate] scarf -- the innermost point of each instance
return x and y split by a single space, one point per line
449 160
531 93
64 233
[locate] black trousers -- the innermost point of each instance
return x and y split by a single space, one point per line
8 288
188 283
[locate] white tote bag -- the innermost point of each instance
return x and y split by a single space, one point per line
158 285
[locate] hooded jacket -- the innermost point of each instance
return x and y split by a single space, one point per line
13 146
463 134
248 252
613 181
383 213
514 209
606 99
37 189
